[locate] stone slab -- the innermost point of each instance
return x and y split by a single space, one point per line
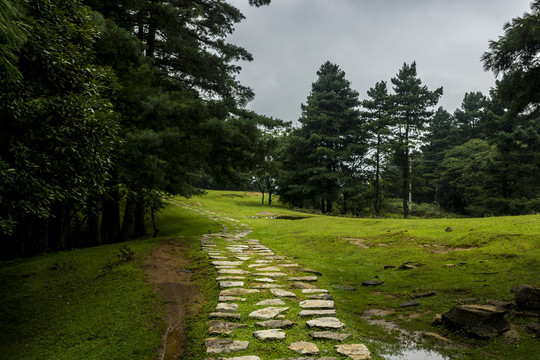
304 348
326 322
271 274
216 346
314 291
231 298
306 313
317 304
267 313
237 291
226 284
271 302
222 327
354 351
282 293
303 278
328 335
271 334
227 263
224 315
277 324
232 272
226 307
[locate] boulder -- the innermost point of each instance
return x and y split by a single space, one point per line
527 297
484 321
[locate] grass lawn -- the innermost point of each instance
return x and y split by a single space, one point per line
89 303
478 260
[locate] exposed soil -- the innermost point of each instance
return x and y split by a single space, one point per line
167 268
357 241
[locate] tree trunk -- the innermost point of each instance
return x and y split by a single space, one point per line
94 235
377 175
345 197
139 228
269 199
328 207
56 228
110 218
262 200
322 206
128 223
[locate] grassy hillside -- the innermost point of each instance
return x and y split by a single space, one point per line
461 260
90 303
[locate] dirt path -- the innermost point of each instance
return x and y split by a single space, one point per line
167 268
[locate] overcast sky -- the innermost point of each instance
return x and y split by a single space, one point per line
370 40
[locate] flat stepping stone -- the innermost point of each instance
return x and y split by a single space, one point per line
266 286
276 324
428 294
231 298
270 302
216 257
232 271
328 335
267 313
243 258
263 261
289 265
314 291
221 278
354 351
221 267
270 269
303 278
311 271
265 280
326 322
282 293
304 348
317 304
306 313
224 315
372 282
256 265
237 291
216 346
302 285
222 327
227 263
271 274
271 334
319 296
226 284
226 307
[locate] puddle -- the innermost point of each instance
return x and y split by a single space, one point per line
281 217
409 349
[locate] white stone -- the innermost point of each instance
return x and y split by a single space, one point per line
231 298
303 278
267 313
263 261
317 304
232 271
271 334
282 293
304 348
226 284
314 291
265 280
216 346
328 312
226 307
237 291
270 274
354 351
270 302
269 269
221 278
326 322
227 263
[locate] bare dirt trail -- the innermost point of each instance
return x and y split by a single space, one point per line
167 268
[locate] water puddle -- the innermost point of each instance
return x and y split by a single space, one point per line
409 349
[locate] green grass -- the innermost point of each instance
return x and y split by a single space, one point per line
89 303
490 257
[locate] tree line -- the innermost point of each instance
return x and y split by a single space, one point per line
347 155
107 107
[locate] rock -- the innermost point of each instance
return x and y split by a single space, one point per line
314 291
527 297
467 301
511 337
243 258
433 335
389 266
304 348
409 303
481 320
227 263
303 278
315 272
270 302
226 307
268 280
267 313
278 324
237 291
449 265
224 315
265 286
263 261
270 269
423 295
226 284
502 304
320 296
326 322
231 298
271 274
272 334
354 351
306 313
221 278
302 285
216 346
282 293
317 304
372 282
533 328
328 335
222 327
449 229
232 271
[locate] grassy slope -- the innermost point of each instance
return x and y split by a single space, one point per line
501 253
86 304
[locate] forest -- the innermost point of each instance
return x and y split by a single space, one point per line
108 108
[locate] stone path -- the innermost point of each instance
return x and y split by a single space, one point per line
280 294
